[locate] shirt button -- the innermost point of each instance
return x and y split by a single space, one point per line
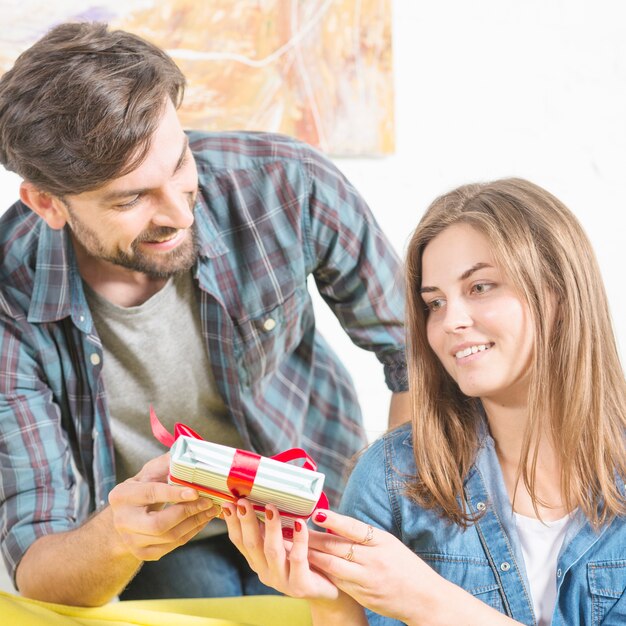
505 567
81 318
559 573
481 506
269 324
95 359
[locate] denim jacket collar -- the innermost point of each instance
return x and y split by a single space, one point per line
486 492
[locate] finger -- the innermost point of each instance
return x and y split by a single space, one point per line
274 544
233 525
335 555
135 493
251 535
305 580
331 544
341 572
298 555
352 529
189 527
155 549
159 523
177 518
150 547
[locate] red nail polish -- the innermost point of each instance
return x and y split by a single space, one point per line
298 526
269 514
242 510
320 517
227 512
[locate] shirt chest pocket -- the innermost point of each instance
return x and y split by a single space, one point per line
607 583
470 573
262 341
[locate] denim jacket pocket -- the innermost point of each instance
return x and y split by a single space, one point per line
262 341
607 583
474 574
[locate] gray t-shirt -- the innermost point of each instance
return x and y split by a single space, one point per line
154 354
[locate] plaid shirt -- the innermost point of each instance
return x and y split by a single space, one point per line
270 212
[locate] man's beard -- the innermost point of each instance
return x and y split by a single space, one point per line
158 265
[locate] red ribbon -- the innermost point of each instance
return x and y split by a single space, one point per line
243 473
243 469
161 433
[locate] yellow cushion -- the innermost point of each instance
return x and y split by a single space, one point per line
242 611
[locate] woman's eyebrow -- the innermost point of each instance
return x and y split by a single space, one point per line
474 268
466 274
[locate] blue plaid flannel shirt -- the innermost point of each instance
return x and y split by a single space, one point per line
270 212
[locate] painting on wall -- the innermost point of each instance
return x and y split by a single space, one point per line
320 70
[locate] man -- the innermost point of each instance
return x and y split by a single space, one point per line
144 264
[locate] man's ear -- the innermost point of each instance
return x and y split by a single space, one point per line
48 207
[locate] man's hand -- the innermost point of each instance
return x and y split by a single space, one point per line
146 519
151 518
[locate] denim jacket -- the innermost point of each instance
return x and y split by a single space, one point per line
486 558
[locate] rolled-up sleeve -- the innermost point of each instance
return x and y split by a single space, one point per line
37 483
356 269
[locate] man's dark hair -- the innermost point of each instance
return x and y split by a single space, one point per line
80 106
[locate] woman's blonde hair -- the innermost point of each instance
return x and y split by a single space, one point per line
576 377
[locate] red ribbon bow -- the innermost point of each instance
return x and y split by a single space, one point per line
243 470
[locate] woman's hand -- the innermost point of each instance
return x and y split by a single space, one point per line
357 565
384 575
280 564
372 566
284 565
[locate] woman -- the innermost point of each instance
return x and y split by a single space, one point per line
503 501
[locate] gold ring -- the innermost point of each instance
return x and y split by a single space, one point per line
369 535
350 555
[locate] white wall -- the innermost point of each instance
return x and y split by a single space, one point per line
495 88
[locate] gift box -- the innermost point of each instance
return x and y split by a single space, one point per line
225 474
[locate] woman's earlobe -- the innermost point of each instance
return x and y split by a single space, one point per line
48 207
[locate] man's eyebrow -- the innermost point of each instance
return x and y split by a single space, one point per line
466 274
183 154
126 193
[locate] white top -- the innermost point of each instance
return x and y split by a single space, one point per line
541 543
